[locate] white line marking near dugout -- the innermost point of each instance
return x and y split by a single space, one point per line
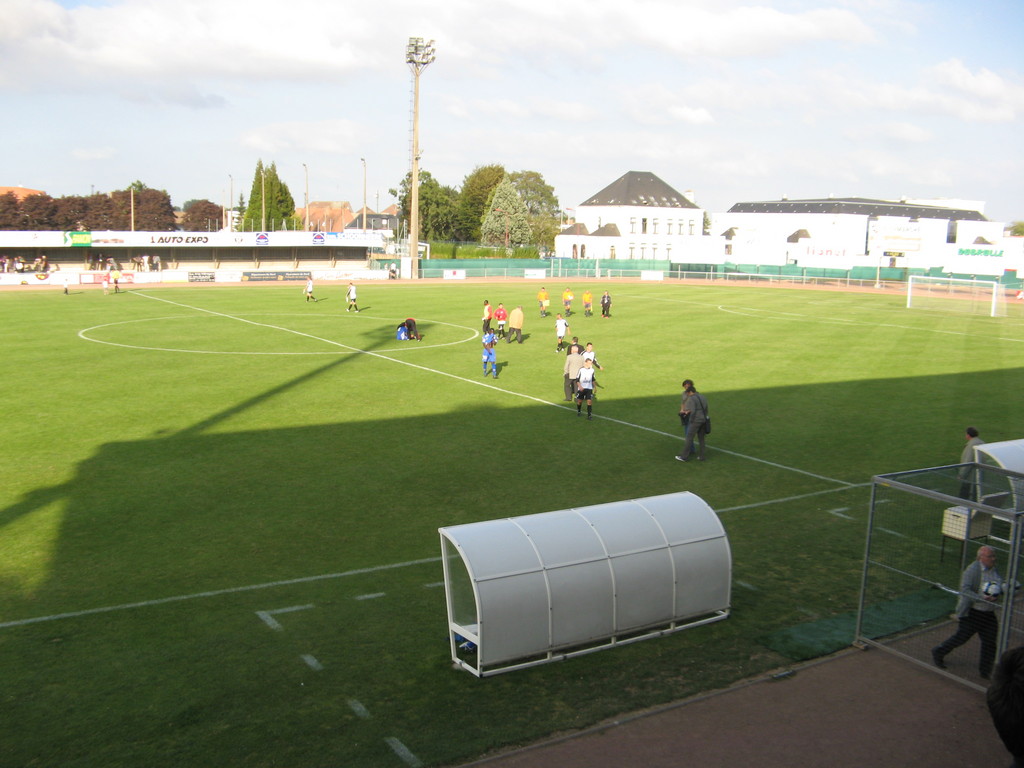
372 596
477 383
267 617
312 663
403 752
215 593
359 709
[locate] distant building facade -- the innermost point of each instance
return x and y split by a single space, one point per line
851 232
637 216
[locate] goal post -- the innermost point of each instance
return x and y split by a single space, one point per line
951 294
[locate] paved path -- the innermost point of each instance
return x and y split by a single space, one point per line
857 709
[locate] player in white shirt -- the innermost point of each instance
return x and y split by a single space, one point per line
561 329
585 388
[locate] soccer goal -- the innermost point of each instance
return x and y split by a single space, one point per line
949 294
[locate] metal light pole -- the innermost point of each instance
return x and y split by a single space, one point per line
231 203
418 54
263 200
363 160
306 169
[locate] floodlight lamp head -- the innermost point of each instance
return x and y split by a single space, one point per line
419 53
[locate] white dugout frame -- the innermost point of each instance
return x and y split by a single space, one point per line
539 588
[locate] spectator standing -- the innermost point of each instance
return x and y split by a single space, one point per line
976 612
694 413
570 372
966 474
606 305
515 324
1005 699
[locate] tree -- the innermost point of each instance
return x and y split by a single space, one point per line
541 204
10 212
505 222
476 191
202 216
142 208
277 210
1017 229
39 212
71 213
437 204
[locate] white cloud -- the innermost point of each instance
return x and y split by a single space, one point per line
93 153
328 136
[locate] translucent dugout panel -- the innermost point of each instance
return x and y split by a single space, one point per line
527 590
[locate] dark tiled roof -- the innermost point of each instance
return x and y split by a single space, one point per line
858 205
608 230
640 188
575 229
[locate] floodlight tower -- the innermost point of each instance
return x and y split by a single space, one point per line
418 54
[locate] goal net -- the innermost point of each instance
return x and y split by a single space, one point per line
948 294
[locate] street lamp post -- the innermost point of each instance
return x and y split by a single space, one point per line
418 54
231 203
263 200
306 169
363 160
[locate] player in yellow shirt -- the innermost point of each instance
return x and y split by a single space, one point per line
567 298
588 303
544 300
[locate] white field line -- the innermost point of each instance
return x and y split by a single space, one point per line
403 752
312 663
357 707
325 577
267 617
478 383
774 314
216 593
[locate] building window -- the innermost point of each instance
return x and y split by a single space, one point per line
654 251
691 226
668 227
728 249
643 226
632 226
654 226
632 249
612 252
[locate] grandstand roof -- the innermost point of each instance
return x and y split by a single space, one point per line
858 206
640 188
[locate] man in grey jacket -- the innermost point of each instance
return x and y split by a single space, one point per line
966 474
694 413
976 612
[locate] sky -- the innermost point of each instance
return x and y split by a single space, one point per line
737 101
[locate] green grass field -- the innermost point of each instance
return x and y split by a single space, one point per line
181 464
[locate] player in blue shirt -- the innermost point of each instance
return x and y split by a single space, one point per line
490 356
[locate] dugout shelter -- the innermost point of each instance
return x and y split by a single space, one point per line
529 590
